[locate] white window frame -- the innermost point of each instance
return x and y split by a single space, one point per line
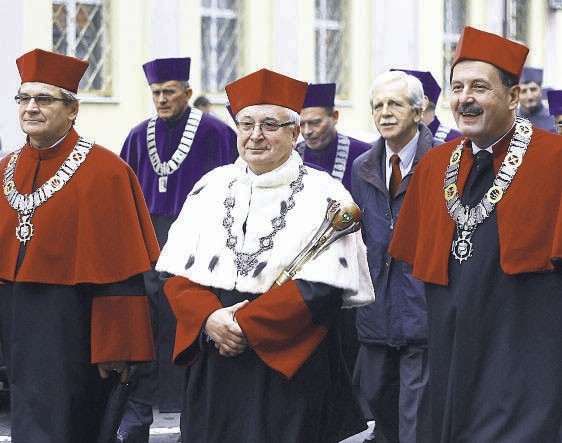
71 41
450 38
322 24
512 19
214 12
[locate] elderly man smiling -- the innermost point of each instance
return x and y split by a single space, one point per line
266 362
392 369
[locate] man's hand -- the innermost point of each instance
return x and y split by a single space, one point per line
120 367
225 331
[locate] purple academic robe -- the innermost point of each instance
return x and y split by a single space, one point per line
214 145
442 133
541 118
325 158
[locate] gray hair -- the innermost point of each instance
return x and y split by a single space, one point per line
292 115
415 88
69 96
184 84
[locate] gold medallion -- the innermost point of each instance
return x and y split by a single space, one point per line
56 183
450 191
12 160
455 157
494 194
513 159
9 187
78 156
524 129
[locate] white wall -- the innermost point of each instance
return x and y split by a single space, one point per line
11 47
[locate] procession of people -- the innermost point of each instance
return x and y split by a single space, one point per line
286 282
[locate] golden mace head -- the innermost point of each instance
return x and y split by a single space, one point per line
343 214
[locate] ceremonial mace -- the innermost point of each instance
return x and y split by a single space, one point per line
342 218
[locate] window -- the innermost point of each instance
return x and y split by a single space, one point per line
455 19
329 27
516 20
219 40
80 30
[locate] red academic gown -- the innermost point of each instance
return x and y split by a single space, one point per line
73 296
495 321
291 385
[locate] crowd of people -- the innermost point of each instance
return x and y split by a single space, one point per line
167 269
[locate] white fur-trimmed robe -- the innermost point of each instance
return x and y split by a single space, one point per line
197 241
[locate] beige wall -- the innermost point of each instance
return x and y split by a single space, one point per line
109 121
278 34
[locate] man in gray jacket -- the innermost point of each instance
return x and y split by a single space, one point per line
392 370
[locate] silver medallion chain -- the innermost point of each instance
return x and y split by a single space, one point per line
342 155
163 169
466 218
245 262
26 204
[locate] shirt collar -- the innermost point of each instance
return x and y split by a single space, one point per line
476 148
53 145
406 154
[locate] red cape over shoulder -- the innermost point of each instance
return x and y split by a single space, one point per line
529 215
96 229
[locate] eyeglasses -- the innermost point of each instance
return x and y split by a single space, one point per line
40 100
245 126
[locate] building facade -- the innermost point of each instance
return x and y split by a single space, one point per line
344 41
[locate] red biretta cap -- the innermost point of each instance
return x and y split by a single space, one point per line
266 87
490 48
51 68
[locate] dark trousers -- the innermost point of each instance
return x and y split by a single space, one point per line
158 382
56 394
393 382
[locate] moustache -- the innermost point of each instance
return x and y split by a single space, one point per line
470 108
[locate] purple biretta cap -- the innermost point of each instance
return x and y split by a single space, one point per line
531 75
166 69
320 95
430 86
555 101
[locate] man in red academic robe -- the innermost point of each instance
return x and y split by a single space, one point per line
266 360
482 226
75 236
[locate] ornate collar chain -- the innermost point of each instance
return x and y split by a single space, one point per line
245 262
342 154
466 218
26 204
441 133
172 165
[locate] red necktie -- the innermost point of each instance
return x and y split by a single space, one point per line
396 176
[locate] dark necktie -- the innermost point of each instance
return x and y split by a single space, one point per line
395 177
479 179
